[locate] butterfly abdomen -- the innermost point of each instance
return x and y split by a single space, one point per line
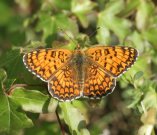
78 64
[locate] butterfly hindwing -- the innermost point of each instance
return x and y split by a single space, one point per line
97 82
64 85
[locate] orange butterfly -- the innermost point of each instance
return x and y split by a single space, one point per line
80 73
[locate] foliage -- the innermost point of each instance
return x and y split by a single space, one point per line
25 105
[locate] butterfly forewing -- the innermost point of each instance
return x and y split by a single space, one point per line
114 60
45 62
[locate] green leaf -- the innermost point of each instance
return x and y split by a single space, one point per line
34 44
103 35
50 24
44 128
137 40
145 10
23 3
56 5
145 130
136 97
73 29
110 22
150 35
65 4
149 120
34 101
81 9
3 75
46 24
7 13
11 117
12 62
121 27
114 7
149 117
74 119
138 75
150 99
130 7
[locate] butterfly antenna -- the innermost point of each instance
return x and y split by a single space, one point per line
68 36
94 32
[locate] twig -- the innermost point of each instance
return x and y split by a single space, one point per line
60 124
15 86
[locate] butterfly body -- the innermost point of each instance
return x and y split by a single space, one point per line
88 73
78 63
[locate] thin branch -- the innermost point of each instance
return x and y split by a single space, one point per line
15 86
60 124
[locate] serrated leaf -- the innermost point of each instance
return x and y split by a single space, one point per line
74 119
11 117
34 101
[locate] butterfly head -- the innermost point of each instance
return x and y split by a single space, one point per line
78 47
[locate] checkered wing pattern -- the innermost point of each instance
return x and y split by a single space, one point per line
45 62
64 84
97 82
114 60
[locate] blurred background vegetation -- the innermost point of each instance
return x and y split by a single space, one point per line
25 105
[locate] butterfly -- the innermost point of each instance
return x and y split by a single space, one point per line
88 73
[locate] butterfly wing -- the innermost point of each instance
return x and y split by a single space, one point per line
97 82
45 62
64 84
114 60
